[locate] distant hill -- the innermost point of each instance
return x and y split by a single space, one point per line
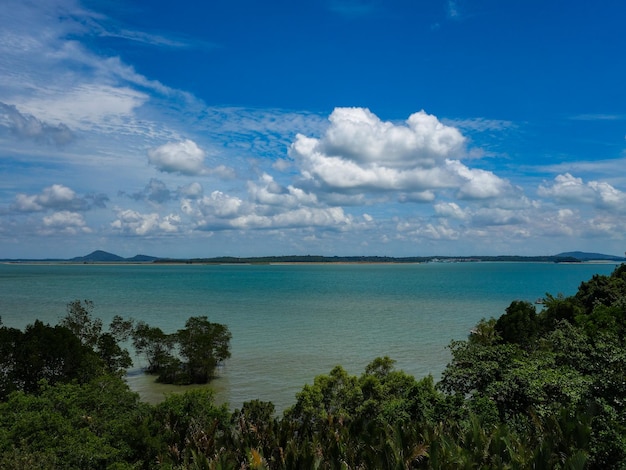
583 256
142 259
97 256
100 256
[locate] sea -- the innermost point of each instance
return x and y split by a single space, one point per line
292 322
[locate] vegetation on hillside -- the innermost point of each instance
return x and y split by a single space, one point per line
526 390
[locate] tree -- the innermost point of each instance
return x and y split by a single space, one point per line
42 352
519 324
115 359
80 321
202 345
188 356
188 425
154 345
94 425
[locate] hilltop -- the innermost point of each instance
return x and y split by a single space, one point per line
582 256
100 256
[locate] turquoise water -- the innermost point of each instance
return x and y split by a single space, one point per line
293 322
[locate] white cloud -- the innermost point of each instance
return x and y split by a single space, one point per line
359 135
130 222
86 107
221 205
568 189
425 230
496 216
360 152
333 217
178 157
192 191
64 222
451 210
56 197
479 184
185 158
271 193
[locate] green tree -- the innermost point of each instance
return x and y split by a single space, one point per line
93 425
519 324
43 352
558 309
80 321
202 346
154 345
190 426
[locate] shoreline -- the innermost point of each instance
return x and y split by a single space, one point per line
293 263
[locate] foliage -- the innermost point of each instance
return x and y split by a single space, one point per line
42 352
189 425
90 425
83 325
154 345
201 346
519 324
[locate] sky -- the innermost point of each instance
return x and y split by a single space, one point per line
328 127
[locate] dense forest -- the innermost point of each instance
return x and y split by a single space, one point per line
529 389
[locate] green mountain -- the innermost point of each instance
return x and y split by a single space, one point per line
97 256
583 256
100 256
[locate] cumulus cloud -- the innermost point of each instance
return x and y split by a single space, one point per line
26 126
130 222
269 206
451 210
312 217
479 184
571 190
333 218
360 152
178 157
427 230
221 205
192 191
57 197
359 135
64 222
184 158
268 192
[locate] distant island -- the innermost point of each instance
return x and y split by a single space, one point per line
100 256
97 256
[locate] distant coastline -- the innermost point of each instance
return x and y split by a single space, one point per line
103 257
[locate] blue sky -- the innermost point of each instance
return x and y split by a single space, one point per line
334 127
